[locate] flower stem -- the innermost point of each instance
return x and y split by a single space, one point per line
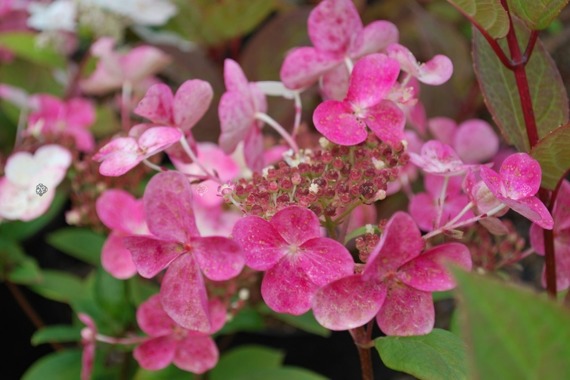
277 127
361 337
441 200
126 105
196 161
298 113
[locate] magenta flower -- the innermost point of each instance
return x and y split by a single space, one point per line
170 343
297 260
337 34
440 159
561 215
124 153
436 71
237 111
178 246
124 215
515 185
344 122
395 285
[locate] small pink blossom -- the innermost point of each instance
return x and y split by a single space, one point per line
337 34
297 260
395 285
124 153
561 230
515 185
178 247
344 122
88 341
169 342
436 71
440 159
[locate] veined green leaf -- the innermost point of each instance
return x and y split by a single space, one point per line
60 286
553 155
81 243
537 14
489 14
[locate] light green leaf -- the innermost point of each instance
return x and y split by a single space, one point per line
498 85
168 373
305 322
56 333
438 355
511 332
81 243
246 360
489 14
24 45
16 265
537 14
553 155
60 286
63 365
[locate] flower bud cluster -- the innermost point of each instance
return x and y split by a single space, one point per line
325 180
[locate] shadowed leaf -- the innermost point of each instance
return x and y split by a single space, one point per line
537 14
553 155
489 14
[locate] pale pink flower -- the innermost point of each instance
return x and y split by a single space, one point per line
24 172
139 12
436 71
516 184
561 230
395 285
297 260
88 341
57 15
440 159
178 246
337 34
344 122
169 342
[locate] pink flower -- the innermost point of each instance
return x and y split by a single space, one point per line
170 343
178 246
436 71
344 122
124 215
72 117
516 184
561 215
237 111
19 197
88 341
337 33
297 260
395 284
114 69
124 153
438 158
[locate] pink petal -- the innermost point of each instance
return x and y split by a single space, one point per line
236 115
476 141
334 83
428 271
157 104
494 225
156 353
521 175
83 138
155 140
348 302
196 354
219 258
152 319
438 158
336 121
296 224
387 121
262 244
562 255
406 311
168 206
116 259
218 315
561 211
434 183
183 295
372 78
532 209
87 360
234 78
191 102
142 62
493 181
424 211
332 25
436 71
303 66
374 38
443 129
118 156
149 255
119 210
324 260
254 149
259 100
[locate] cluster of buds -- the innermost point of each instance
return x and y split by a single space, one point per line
325 180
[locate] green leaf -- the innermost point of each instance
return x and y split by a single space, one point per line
24 45
498 85
30 77
511 332
81 243
283 373
168 373
247 319
246 360
16 265
537 14
141 289
553 155
489 14
305 322
63 365
60 286
111 294
437 355
57 333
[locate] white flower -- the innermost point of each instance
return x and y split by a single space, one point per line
140 12
59 15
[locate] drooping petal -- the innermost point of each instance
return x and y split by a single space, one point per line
296 224
303 66
428 271
118 156
191 102
168 206
253 150
324 260
219 258
234 78
406 311
532 209
371 79
236 115
521 175
157 104
152 319
183 295
156 139
348 302
334 83
196 354
116 259
476 141
150 255
336 121
438 158
156 353
387 121
436 71
262 244
374 38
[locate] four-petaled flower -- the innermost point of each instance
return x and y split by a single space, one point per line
440 159
395 285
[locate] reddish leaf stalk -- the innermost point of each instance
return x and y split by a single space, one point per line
361 336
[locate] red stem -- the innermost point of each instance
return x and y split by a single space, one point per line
361 336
